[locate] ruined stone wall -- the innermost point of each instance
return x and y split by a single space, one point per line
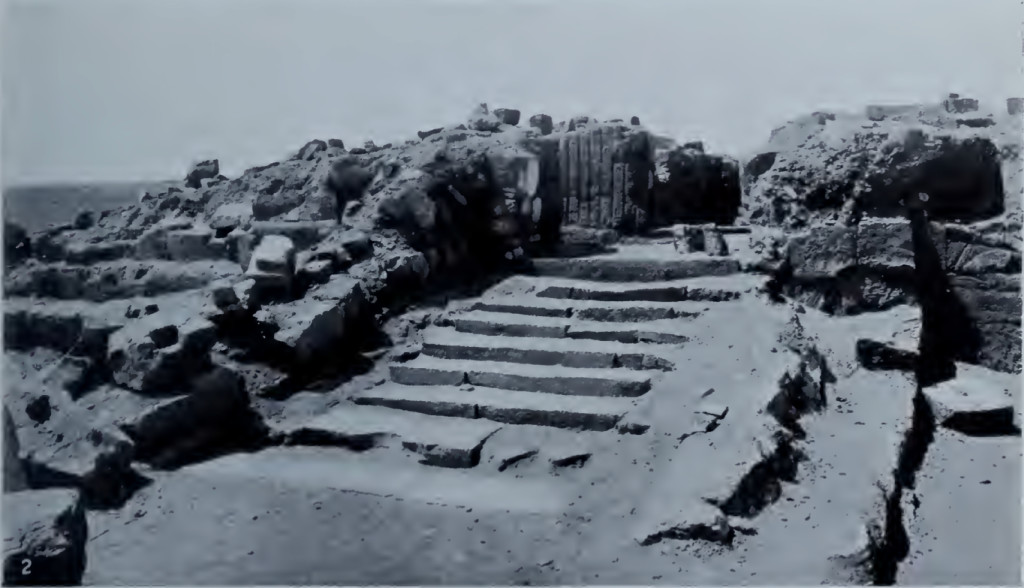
597 175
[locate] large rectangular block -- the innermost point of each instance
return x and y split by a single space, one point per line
604 183
563 176
618 190
584 177
574 178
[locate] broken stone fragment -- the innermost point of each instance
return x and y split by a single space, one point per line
272 266
714 242
224 296
481 119
276 254
84 220
45 533
977 402
214 415
319 323
688 238
425 134
543 123
244 292
229 216
201 171
310 150
315 271
874 355
161 352
508 116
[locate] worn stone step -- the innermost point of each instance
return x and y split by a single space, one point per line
652 294
550 311
607 312
498 324
442 441
613 269
425 370
510 329
503 406
452 344
279 469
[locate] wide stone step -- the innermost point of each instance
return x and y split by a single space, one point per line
503 406
498 324
653 294
442 441
425 370
604 313
634 270
451 344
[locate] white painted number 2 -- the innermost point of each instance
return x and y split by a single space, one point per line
25 570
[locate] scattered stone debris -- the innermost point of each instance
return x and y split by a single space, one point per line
220 316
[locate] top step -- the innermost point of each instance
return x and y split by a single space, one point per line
617 269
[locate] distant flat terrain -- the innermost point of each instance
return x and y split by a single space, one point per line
37 207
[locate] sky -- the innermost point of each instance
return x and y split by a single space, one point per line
126 90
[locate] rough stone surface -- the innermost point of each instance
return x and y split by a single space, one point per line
694 187
14 469
508 116
816 170
17 245
202 171
161 352
823 251
45 533
213 416
318 324
543 123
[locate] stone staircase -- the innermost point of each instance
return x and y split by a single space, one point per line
574 347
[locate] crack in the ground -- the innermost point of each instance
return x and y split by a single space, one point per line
761 486
716 420
720 531
889 543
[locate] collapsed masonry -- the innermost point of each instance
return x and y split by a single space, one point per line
192 315
907 208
